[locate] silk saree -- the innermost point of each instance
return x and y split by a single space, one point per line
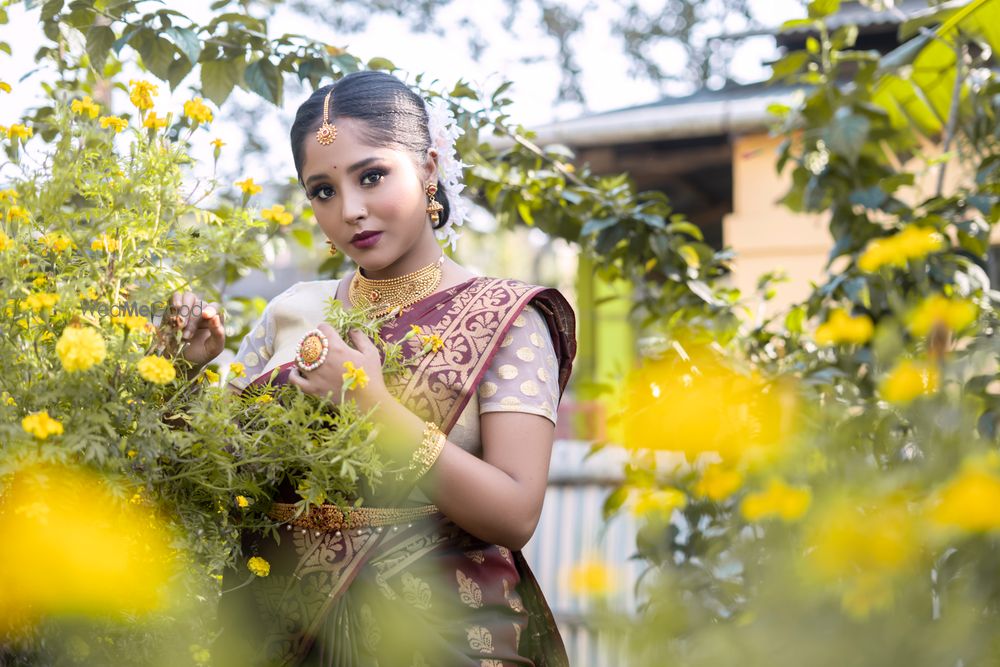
423 592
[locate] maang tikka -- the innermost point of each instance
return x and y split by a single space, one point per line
326 132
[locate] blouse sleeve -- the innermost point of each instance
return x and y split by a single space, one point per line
524 374
256 348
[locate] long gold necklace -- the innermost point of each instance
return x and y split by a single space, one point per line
384 296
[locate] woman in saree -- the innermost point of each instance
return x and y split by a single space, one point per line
429 570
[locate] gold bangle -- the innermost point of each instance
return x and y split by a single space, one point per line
424 456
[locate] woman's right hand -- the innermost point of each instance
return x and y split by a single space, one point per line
203 336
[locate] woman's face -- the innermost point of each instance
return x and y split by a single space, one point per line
368 200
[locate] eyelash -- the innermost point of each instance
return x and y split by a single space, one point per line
381 173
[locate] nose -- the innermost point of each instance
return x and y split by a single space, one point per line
354 207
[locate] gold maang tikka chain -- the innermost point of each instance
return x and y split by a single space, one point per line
384 296
327 133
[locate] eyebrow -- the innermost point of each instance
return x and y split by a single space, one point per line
360 164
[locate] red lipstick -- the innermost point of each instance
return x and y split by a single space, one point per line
365 239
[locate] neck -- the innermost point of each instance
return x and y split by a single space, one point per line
421 255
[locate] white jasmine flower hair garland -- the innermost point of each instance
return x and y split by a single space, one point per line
444 130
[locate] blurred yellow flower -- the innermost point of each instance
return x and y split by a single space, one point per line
913 242
85 106
154 122
432 342
841 328
237 369
278 214
5 242
970 501
259 566
218 143
8 195
105 243
132 322
415 331
355 376
938 310
79 348
40 425
56 241
248 186
264 398
18 131
718 482
197 111
778 500
211 376
142 94
39 301
657 503
7 399
908 380
156 369
594 578
242 502
114 122
17 213
120 562
4 86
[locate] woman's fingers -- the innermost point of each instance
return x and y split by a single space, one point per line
362 343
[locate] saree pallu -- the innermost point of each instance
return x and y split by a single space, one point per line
424 592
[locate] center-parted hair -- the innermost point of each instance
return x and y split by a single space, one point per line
393 116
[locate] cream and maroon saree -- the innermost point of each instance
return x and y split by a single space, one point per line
418 591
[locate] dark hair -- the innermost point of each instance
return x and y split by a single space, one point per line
394 117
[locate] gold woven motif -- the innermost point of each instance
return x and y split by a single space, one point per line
329 518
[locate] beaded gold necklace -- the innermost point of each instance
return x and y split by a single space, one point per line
392 293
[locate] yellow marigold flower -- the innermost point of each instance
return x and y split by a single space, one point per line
938 310
142 94
114 122
85 106
17 213
4 86
355 376
131 453
8 195
211 376
105 243
259 566
4 130
218 143
593 577
659 503
197 111
39 301
242 502
841 328
153 122
433 342
5 242
278 214
248 186
39 281
777 500
56 241
79 348
237 369
908 380
913 242
156 369
41 425
131 322
415 331
718 482
7 399
970 501
18 131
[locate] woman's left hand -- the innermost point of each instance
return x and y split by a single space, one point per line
327 381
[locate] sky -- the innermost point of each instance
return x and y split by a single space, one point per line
442 56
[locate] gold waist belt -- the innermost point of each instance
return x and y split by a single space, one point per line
329 518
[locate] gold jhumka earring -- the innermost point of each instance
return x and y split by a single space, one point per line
434 207
326 133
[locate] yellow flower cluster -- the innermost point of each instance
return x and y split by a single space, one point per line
132 322
913 242
657 503
41 425
17 213
248 186
105 243
939 311
197 111
354 376
970 501
211 376
154 122
18 131
141 94
278 214
778 500
908 380
56 242
114 122
242 502
718 482
39 301
5 242
8 195
432 342
156 369
237 369
258 566
80 348
593 577
842 329
85 106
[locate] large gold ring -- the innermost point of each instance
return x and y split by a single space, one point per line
313 347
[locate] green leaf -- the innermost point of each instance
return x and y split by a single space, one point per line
690 256
871 198
304 237
99 41
847 133
790 64
218 77
597 225
685 227
50 9
821 8
524 210
381 63
264 79
178 69
795 24
187 41
462 89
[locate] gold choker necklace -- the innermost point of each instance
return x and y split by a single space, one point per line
384 296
